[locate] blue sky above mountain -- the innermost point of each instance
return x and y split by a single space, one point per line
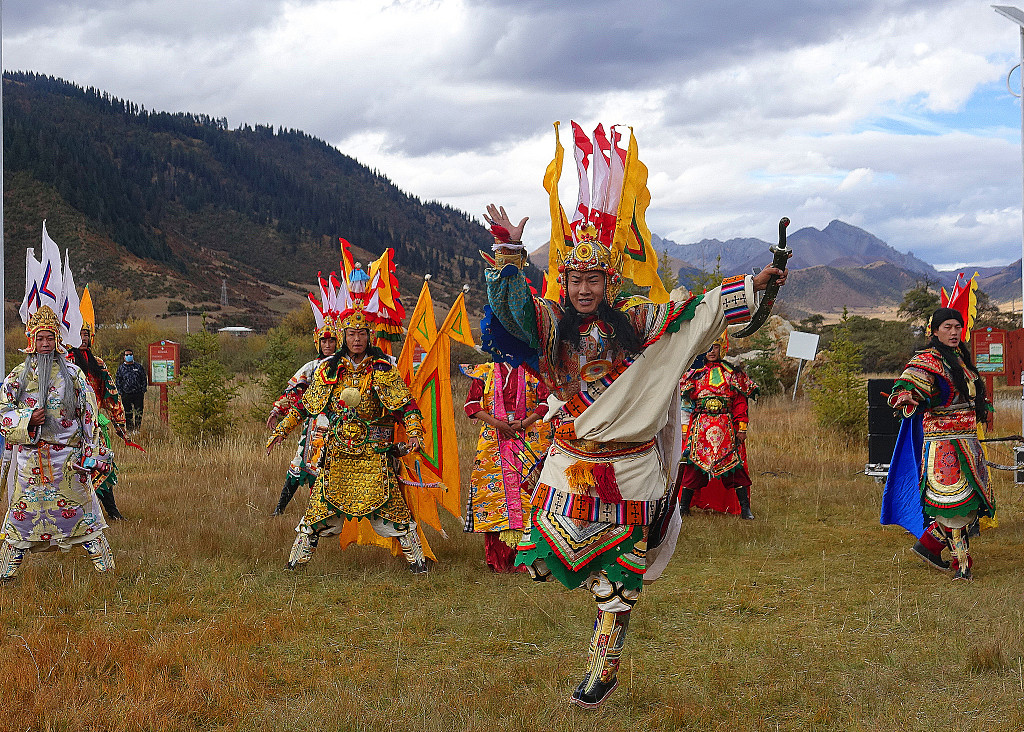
890 115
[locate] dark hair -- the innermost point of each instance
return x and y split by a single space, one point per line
949 356
941 315
84 360
624 333
372 352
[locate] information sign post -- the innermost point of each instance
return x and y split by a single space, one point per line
803 346
164 369
988 346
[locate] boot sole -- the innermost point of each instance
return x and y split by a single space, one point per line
930 564
594 705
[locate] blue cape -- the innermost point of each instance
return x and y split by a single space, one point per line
901 499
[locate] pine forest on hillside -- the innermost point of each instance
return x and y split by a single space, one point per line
171 203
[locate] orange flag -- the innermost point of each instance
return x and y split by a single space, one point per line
561 235
432 389
422 331
457 326
632 237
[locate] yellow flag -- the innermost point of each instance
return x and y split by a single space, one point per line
382 266
457 325
422 331
561 234
439 457
86 308
632 237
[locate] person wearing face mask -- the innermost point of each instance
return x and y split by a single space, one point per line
132 383
614 363
942 385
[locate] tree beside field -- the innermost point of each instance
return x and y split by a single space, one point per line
839 394
199 402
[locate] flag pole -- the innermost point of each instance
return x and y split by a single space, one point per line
3 290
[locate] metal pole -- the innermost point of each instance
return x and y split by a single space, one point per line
1022 209
1022 172
796 383
3 290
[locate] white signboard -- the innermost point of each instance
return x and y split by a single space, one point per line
802 345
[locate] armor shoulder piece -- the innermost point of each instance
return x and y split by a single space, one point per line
318 394
391 390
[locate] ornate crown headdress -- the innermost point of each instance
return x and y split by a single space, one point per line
43 319
590 255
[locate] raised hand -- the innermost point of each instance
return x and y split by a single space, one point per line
496 216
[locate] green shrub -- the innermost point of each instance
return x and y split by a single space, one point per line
839 393
764 369
199 402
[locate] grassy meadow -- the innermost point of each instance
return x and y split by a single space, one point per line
812 617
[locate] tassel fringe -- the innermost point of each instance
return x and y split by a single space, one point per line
583 475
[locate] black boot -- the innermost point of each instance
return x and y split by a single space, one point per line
602 660
286 496
743 494
109 507
685 496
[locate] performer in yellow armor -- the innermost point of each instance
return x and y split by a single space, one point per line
363 397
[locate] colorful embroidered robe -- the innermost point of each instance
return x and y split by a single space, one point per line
49 504
357 478
617 439
108 399
303 467
504 471
718 393
954 477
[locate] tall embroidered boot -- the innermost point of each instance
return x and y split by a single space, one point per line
602 660
614 604
961 555
413 551
10 560
287 492
302 548
99 552
929 547
743 494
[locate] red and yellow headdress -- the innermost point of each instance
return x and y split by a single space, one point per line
723 341
43 319
360 300
590 255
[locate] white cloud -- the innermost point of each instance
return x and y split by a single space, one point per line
743 113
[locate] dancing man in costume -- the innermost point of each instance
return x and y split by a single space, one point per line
303 468
616 363
942 386
48 417
363 397
715 445
109 400
509 403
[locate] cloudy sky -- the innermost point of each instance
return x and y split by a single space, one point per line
893 115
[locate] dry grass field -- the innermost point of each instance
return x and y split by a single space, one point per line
812 617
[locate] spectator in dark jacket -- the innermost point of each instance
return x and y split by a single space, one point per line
131 381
